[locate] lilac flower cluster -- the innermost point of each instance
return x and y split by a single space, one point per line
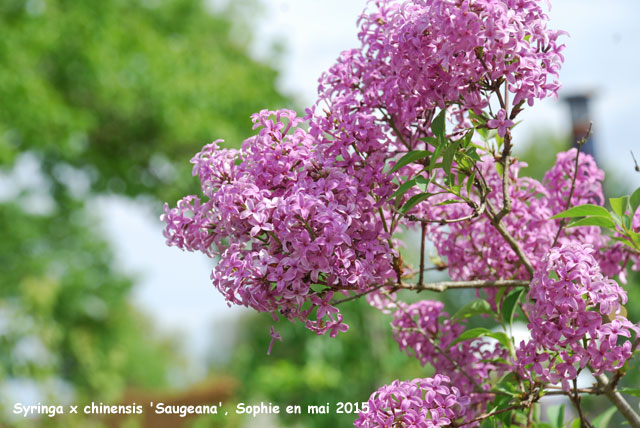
421 403
611 256
418 55
571 298
425 331
289 227
379 100
474 249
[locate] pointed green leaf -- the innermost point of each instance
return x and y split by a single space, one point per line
602 421
447 158
410 157
510 303
449 202
583 211
423 182
470 181
500 337
472 152
624 241
403 188
634 200
476 117
471 334
489 423
466 140
619 205
438 124
631 391
414 200
593 221
436 155
556 416
476 307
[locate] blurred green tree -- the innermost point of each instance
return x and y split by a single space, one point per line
121 89
105 96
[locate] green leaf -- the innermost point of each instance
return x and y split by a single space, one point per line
583 211
500 337
619 205
438 124
466 140
436 155
593 221
414 200
476 117
489 423
624 241
472 152
403 188
556 416
423 182
631 391
476 307
410 157
602 421
470 182
431 140
449 202
634 201
510 303
471 334
447 158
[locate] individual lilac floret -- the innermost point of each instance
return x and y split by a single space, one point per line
421 403
501 123
425 331
571 301
289 226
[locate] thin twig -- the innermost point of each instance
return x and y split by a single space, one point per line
506 196
422 245
575 399
477 211
441 286
515 246
488 415
364 293
637 168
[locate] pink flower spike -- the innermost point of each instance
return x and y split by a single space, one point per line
501 122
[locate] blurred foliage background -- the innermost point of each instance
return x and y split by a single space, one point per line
100 97
113 97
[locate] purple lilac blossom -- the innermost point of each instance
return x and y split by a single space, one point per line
571 301
424 330
289 227
421 403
